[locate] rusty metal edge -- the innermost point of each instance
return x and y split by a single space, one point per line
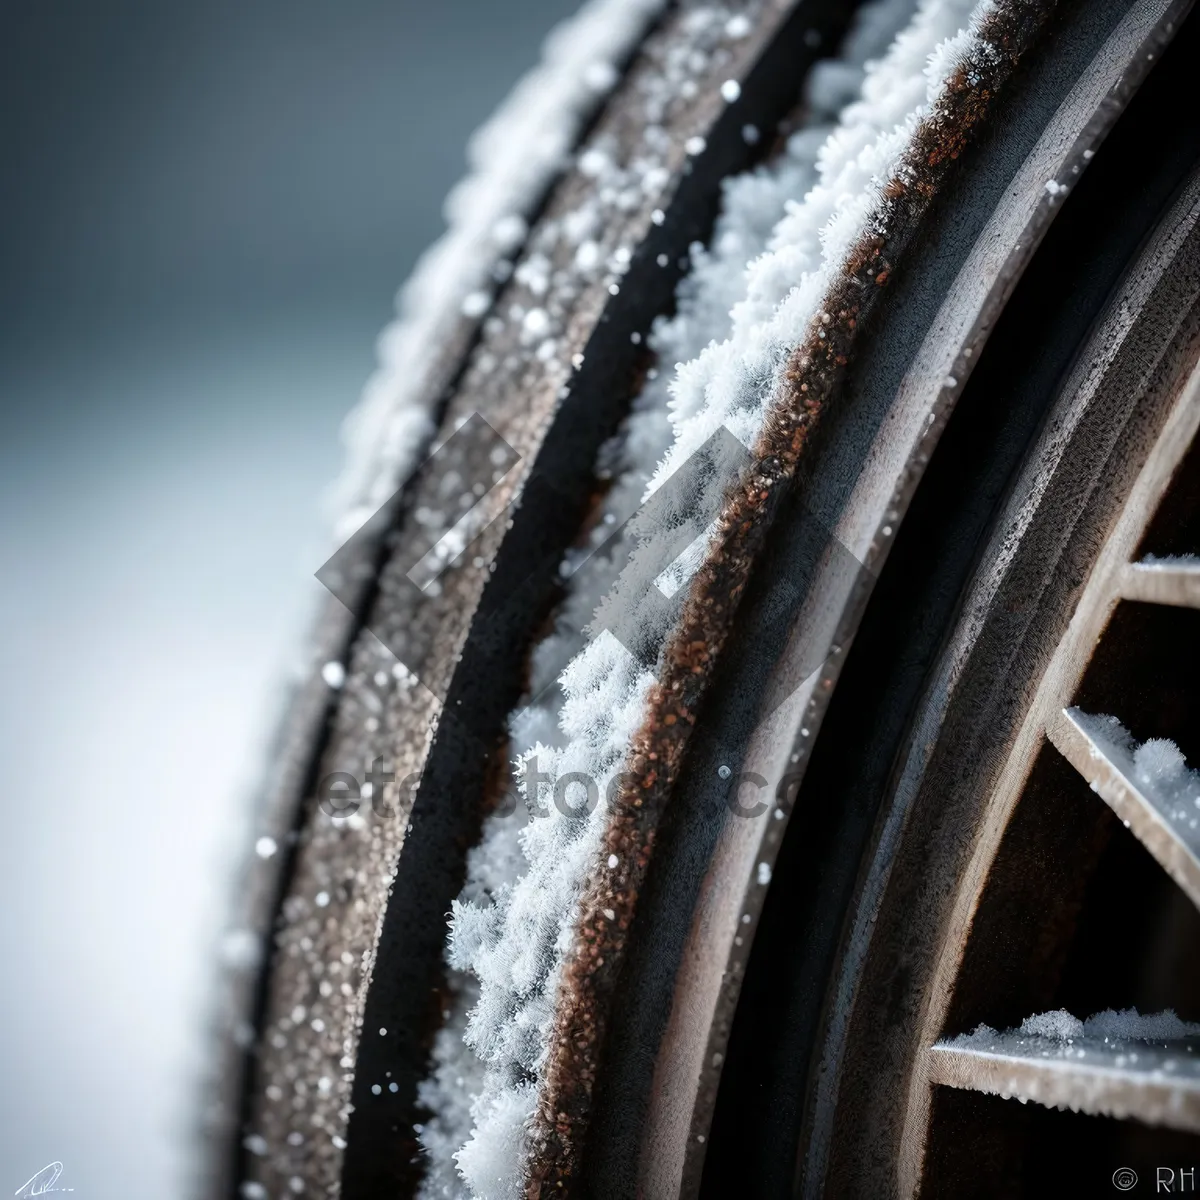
814 374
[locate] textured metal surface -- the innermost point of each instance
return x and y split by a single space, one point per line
339 965
1168 839
351 994
1157 1083
1178 390
812 383
1038 556
1163 582
692 1055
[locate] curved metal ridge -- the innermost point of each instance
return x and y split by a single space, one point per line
352 998
871 1091
673 1138
813 375
1163 581
1175 847
1158 1083
1161 392
294 757
355 985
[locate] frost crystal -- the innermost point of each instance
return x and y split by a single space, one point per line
512 159
1157 768
745 304
1058 1024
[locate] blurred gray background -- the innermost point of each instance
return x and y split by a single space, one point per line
206 210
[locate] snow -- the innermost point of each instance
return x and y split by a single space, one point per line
1058 1024
1109 1026
738 26
241 949
731 382
513 159
1156 768
747 301
1124 1064
449 1092
1168 562
1129 1025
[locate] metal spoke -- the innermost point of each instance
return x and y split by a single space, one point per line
1166 828
890 676
1154 1082
1163 581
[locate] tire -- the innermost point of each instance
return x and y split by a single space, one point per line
1017 411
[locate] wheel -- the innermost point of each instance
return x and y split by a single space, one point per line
832 845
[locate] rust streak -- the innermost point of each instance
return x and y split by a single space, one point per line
811 383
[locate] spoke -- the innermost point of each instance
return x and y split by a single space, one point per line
1165 818
1156 1082
1163 581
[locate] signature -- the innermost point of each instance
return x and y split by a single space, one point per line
43 1182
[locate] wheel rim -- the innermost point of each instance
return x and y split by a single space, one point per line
671 1033
922 1005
